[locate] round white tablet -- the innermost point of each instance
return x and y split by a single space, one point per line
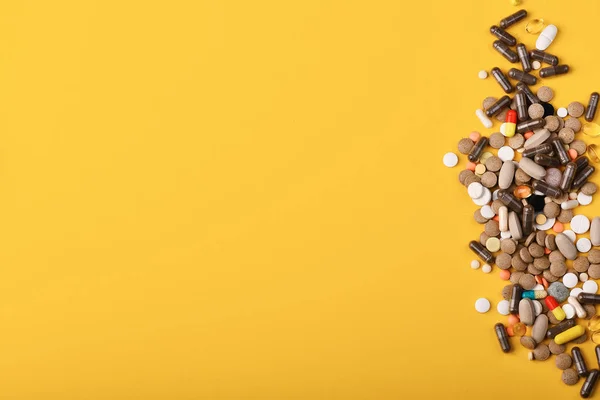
570 280
505 235
450 160
538 307
486 269
536 65
584 245
562 112
475 264
502 307
485 198
482 74
506 153
475 190
503 128
570 234
569 310
584 199
580 224
482 305
487 212
590 287
546 225
583 277
575 292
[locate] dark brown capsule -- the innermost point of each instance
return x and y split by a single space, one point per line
522 76
528 216
515 298
524 57
582 177
560 328
530 125
546 160
481 251
568 176
579 361
503 35
521 100
502 80
582 162
547 189
552 71
597 351
502 336
506 51
588 298
501 104
544 57
590 383
513 19
591 108
510 201
545 148
476 151
560 151
533 99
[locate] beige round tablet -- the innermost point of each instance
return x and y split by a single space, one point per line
493 164
551 123
540 219
508 246
480 169
535 111
516 141
566 135
575 109
541 352
579 146
493 244
589 188
570 377
563 361
574 124
545 94
465 145
496 140
489 179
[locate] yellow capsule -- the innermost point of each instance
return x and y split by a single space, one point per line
559 314
591 129
509 129
570 334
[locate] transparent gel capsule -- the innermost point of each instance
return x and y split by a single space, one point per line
519 329
594 324
591 129
596 337
593 152
523 192
535 26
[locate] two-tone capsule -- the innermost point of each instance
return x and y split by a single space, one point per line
552 71
522 76
524 57
515 297
502 35
592 106
533 99
513 19
481 251
555 308
501 104
502 80
544 57
570 334
506 51
502 336
568 176
531 125
476 151
535 294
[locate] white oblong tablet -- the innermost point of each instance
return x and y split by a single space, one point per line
450 160
590 287
562 112
580 224
502 307
487 212
538 307
583 245
485 198
570 234
475 190
583 277
569 311
546 37
482 305
584 199
575 292
570 280
483 118
546 225
506 153
569 204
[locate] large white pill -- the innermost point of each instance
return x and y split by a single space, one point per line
450 160
483 118
584 245
570 234
580 224
590 287
502 307
569 310
546 225
506 153
482 305
584 199
546 37
570 280
475 190
562 112
487 212
485 198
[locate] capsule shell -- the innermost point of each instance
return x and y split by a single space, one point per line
502 80
501 104
570 334
481 251
562 154
476 151
545 188
544 57
524 57
592 106
546 160
551 303
582 162
597 351
528 216
552 71
579 361
531 125
502 35
535 294
545 148
568 176
515 298
590 383
513 19
510 201
588 298
511 117
531 97
582 176
521 100
506 51
557 329
502 336
522 76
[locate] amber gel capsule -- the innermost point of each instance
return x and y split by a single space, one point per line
502 80
560 328
582 177
510 201
515 298
579 361
589 384
481 251
588 298
521 101
502 336
506 51
478 149
568 176
552 71
530 125
513 19
522 76
546 160
562 154
533 99
503 35
524 57
545 148
501 104
544 57
592 105
548 190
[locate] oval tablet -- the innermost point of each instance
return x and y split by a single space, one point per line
526 312
566 246
546 37
539 136
514 226
540 327
532 169
506 175
595 231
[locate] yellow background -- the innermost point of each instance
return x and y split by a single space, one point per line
246 199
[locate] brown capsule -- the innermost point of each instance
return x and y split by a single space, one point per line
513 19
502 336
582 177
521 100
562 154
552 71
481 251
476 151
506 51
502 80
530 125
592 105
546 160
547 189
544 57
560 328
524 57
503 35
522 76
568 176
582 162
510 201
590 383
545 148
579 361
528 216
515 298
533 99
588 298
501 104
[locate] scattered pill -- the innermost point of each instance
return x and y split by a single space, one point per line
450 160
493 244
583 277
580 224
584 245
504 274
487 123
475 264
502 307
482 305
486 269
590 287
562 112
482 74
570 280
575 291
536 64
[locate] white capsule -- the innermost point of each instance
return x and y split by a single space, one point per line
569 204
503 218
546 37
483 118
577 306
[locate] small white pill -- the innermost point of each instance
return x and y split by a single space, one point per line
584 199
546 37
487 212
485 198
538 307
580 224
486 269
538 287
530 356
483 118
505 235
590 287
482 305
572 195
546 225
475 264
482 74
536 65
502 307
576 291
475 190
583 277
562 112
584 245
506 153
450 160
569 310
570 280
570 234
569 205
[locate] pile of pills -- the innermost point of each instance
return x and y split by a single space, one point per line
529 180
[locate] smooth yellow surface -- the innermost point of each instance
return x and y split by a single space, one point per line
246 199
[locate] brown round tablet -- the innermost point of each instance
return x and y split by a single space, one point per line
515 276
553 176
594 271
531 269
489 179
470 179
555 348
594 256
540 239
579 146
549 277
552 318
463 175
581 339
496 204
525 256
541 352
492 228
496 140
589 188
558 268
507 291
574 124
542 263
517 263
493 164
566 135
501 116
487 102
503 260
535 111
465 145
536 250
508 246
570 377
528 342
480 219
517 141
551 123
556 256
590 310
563 361
483 237
545 94
575 109
529 240
551 210
551 242
522 176
565 216
527 281
560 199
581 264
